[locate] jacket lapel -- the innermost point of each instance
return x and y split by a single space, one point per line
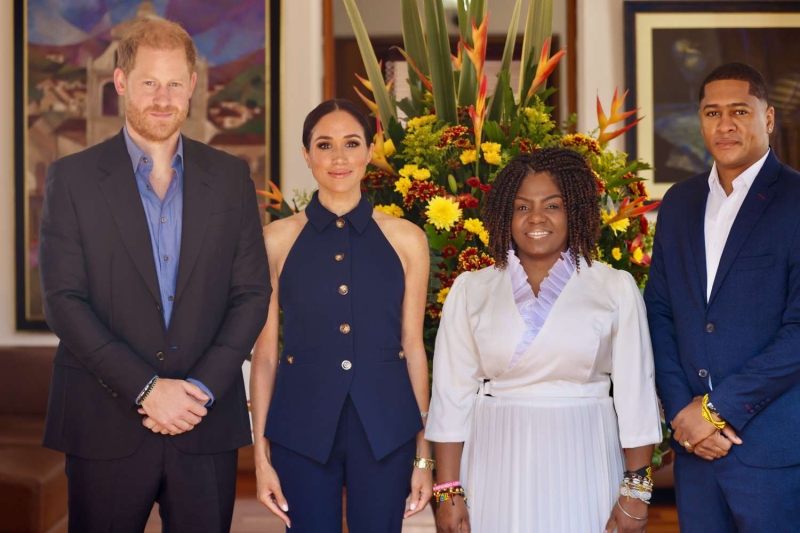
696 219
119 189
756 201
198 199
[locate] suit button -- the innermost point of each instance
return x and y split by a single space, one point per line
702 373
347 365
402 355
344 328
290 359
339 222
710 327
160 356
339 257
343 289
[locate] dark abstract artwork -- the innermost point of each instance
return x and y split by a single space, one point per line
683 58
672 46
66 100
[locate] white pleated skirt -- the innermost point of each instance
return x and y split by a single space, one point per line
541 465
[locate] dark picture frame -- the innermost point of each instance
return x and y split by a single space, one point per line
669 49
63 101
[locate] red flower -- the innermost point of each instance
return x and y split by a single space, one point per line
485 188
467 201
449 251
474 182
643 224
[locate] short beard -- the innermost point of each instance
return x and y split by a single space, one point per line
151 129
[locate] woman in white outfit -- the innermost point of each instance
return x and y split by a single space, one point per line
522 412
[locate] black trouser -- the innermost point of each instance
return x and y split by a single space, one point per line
195 491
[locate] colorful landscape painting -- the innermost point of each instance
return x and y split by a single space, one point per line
66 101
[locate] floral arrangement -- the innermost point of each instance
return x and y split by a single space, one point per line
437 168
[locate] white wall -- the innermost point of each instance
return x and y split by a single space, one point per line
301 85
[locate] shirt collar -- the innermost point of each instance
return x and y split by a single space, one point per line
136 154
320 217
745 179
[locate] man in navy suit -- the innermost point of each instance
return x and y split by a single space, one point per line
723 303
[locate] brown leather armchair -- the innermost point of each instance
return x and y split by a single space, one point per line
33 486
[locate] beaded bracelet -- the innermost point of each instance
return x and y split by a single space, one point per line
449 494
450 485
636 485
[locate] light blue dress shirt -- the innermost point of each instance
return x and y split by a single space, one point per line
165 223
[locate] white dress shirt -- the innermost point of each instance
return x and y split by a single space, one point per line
721 211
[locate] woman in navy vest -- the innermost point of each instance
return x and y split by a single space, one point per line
343 403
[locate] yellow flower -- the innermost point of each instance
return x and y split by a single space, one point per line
474 225
408 171
484 237
421 121
413 171
388 148
402 185
617 225
493 158
421 174
615 253
490 147
443 213
637 255
468 156
391 209
441 296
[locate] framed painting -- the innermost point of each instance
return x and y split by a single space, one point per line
669 49
65 100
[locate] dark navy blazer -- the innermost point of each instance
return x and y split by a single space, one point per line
747 337
341 292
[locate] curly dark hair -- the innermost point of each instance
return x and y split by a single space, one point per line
576 182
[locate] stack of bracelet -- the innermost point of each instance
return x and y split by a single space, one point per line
638 484
448 491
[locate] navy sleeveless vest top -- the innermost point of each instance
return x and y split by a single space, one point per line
341 292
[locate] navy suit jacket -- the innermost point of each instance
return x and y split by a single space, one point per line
747 336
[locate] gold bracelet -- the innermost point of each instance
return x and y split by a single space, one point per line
425 464
709 417
640 518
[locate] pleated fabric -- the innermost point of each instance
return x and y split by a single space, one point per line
541 465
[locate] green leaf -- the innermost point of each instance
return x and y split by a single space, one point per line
444 91
467 82
379 91
396 132
538 27
494 133
497 100
463 20
414 39
436 240
407 107
476 12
